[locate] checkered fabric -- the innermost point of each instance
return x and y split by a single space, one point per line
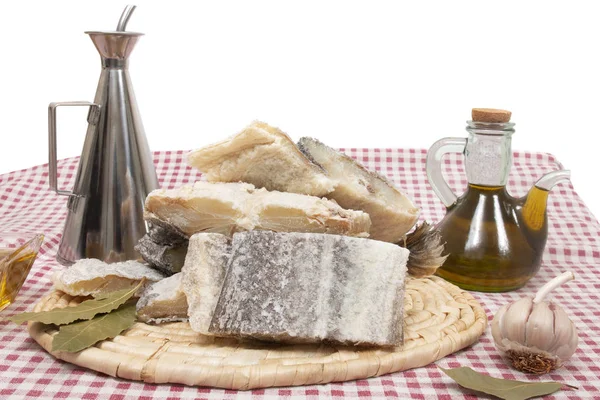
27 205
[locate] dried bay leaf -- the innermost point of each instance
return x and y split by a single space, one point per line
503 388
81 335
83 311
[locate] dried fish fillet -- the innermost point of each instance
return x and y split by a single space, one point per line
291 212
166 234
426 248
392 213
94 277
163 301
264 156
304 287
163 250
203 275
227 208
201 207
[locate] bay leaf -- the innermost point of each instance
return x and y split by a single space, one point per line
83 311
81 335
503 388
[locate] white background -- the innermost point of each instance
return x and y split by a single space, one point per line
353 74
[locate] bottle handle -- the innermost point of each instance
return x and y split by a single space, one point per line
92 118
434 167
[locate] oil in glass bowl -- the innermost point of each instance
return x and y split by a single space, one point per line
17 255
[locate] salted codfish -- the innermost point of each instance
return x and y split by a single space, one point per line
90 276
392 213
264 156
203 275
163 248
163 301
227 208
306 287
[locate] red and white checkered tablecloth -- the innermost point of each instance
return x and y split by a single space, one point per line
27 205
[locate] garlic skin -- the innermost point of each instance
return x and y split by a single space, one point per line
535 335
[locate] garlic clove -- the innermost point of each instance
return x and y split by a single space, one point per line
539 328
514 327
565 334
498 326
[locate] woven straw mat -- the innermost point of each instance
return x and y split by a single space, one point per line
439 319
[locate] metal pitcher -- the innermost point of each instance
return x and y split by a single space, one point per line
116 171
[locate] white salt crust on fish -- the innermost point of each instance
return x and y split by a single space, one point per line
264 156
227 208
163 301
202 276
305 287
94 277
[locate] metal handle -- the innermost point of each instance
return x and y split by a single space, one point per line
434 167
92 119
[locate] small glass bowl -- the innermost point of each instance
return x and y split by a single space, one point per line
17 254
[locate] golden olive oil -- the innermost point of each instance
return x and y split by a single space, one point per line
495 241
14 268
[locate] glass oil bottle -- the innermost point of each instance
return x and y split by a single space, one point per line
495 241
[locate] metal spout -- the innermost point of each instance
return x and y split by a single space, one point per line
122 25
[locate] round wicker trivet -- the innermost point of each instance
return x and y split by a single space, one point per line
439 319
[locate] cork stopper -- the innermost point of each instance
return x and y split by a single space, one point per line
490 115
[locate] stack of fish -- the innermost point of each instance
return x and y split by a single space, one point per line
284 242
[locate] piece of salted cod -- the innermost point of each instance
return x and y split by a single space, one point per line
202 276
392 213
227 208
163 301
264 156
306 287
163 248
90 276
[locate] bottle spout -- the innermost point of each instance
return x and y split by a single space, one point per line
122 25
534 207
551 179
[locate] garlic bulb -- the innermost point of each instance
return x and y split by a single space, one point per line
534 335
